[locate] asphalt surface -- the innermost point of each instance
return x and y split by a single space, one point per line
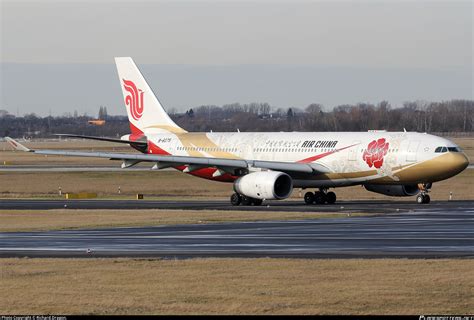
287 205
440 229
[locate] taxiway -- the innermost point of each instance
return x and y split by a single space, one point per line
441 229
369 206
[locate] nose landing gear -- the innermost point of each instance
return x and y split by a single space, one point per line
423 197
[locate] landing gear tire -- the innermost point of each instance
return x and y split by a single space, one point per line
420 199
246 201
423 198
427 199
235 199
309 198
330 197
319 197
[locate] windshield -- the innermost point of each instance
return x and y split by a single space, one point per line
443 149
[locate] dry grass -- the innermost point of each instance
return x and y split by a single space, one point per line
24 158
467 144
34 220
162 184
236 286
460 186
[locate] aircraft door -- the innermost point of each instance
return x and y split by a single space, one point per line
412 150
244 150
354 151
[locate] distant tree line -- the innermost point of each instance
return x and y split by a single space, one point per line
421 116
448 116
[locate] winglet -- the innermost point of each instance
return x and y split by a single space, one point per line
18 146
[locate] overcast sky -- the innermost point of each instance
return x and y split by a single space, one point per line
58 56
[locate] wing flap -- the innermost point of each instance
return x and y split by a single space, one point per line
283 166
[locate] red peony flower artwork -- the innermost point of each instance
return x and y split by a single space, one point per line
375 152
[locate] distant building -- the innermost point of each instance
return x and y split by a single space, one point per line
97 122
3 113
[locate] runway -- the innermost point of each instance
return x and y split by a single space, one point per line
369 206
444 229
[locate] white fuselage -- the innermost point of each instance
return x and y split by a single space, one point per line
351 157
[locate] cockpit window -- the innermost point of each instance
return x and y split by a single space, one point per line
441 149
446 149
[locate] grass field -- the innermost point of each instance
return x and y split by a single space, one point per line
13 157
236 286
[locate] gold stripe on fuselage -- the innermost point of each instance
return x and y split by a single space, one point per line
167 128
440 168
200 140
345 175
436 169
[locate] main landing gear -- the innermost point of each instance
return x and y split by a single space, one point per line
423 196
238 199
320 197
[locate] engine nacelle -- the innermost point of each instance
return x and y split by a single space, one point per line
394 190
265 185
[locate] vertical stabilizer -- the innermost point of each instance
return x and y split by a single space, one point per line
145 112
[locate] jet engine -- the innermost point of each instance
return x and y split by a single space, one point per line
265 185
394 190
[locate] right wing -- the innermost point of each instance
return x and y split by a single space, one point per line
232 166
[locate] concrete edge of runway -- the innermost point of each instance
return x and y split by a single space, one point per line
371 207
244 255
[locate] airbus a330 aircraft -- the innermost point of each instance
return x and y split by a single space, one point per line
268 165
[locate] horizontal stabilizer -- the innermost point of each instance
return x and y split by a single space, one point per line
16 145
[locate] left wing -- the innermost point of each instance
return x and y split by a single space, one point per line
193 163
140 145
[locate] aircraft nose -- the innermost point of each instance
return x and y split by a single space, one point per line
458 161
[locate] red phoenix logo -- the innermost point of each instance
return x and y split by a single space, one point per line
375 152
134 100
